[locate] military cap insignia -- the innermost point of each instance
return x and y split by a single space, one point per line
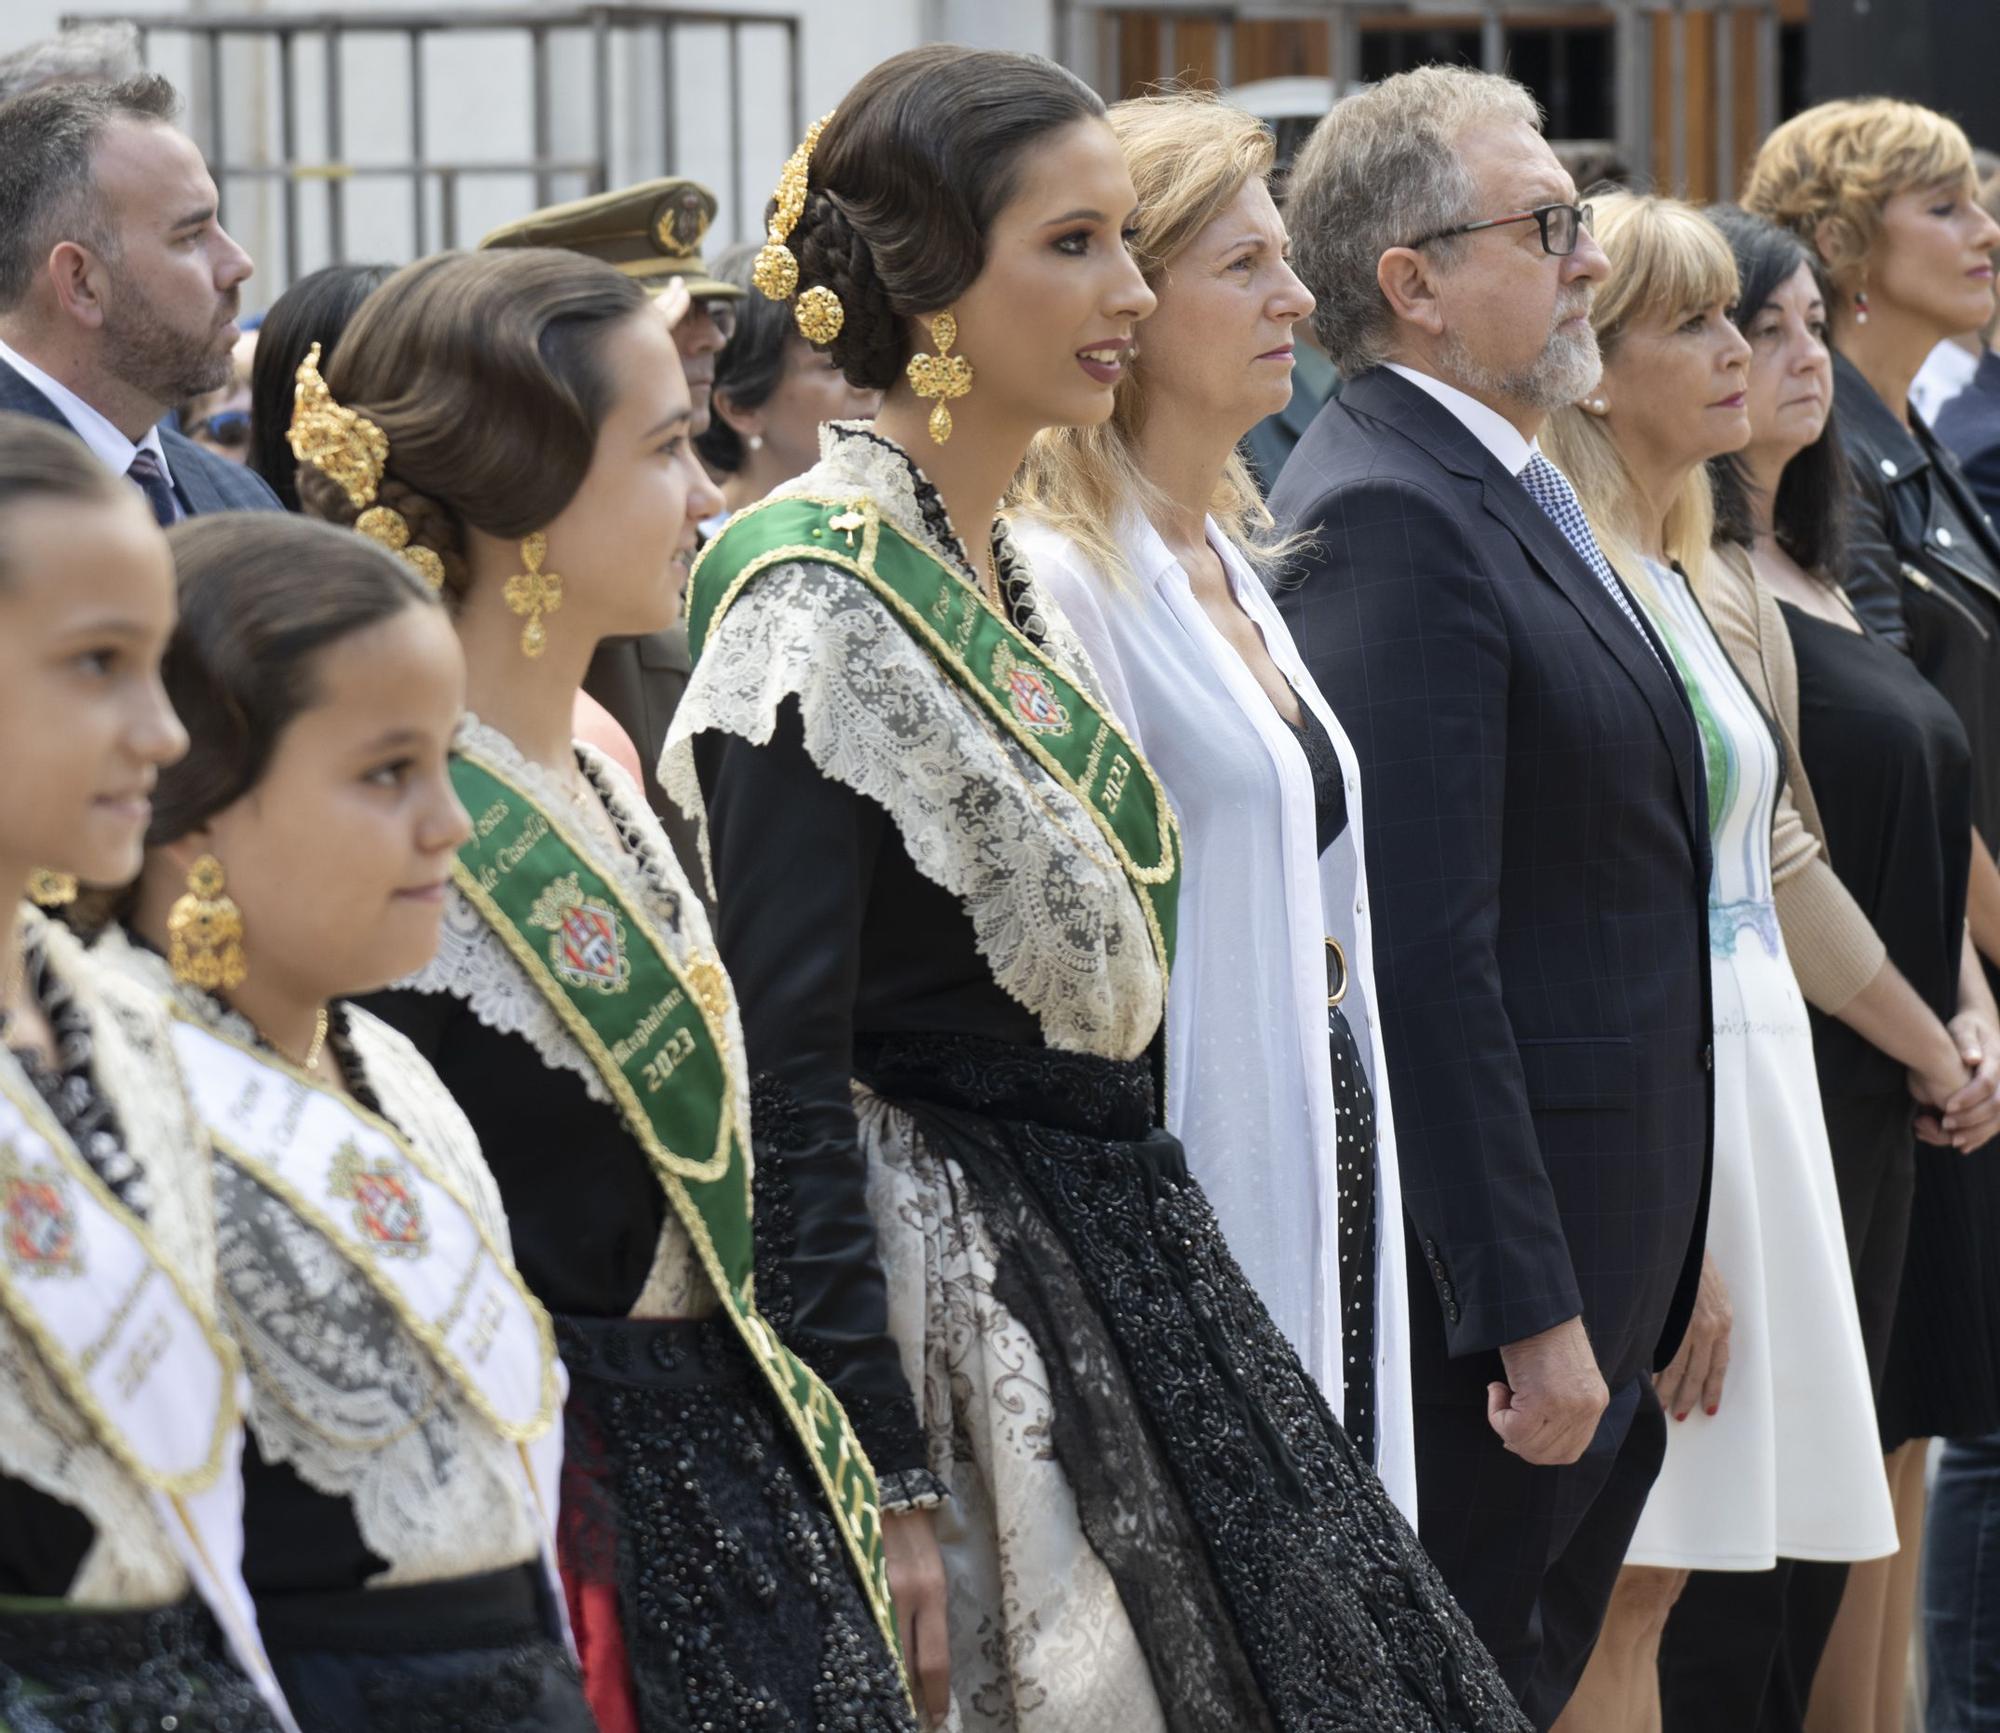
681 224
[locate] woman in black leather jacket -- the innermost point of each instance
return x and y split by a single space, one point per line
1885 191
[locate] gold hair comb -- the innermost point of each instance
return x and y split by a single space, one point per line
353 453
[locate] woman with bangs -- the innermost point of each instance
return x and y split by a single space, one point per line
1885 193
1150 534
1769 1452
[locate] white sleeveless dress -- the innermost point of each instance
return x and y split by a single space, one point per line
1790 1467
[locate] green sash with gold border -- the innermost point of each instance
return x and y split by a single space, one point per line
656 1032
1054 720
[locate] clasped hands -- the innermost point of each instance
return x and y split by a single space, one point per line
1962 1111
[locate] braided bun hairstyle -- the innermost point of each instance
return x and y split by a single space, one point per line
485 371
915 164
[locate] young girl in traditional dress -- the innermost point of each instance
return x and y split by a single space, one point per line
400 1488
947 885
720 1540
120 1401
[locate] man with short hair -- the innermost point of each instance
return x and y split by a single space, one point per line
1538 847
118 287
653 233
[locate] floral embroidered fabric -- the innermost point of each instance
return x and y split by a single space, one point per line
1054 917
116 1080
1087 1338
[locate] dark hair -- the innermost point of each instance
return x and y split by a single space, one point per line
1809 515
916 162
48 139
486 373
315 309
751 365
39 461
261 595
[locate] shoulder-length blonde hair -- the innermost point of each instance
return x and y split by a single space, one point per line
1189 155
1668 262
1826 174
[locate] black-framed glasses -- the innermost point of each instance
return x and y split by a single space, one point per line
1560 226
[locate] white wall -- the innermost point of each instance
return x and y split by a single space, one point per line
476 91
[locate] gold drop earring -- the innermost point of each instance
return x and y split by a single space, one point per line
534 593
943 375
205 931
49 889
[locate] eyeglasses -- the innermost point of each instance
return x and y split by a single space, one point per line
1560 226
721 312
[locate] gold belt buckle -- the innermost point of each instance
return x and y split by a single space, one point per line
1339 956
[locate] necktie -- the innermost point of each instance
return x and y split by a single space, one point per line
1549 488
150 477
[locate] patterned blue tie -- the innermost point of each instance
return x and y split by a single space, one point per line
150 477
1549 488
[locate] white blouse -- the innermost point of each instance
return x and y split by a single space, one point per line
1250 1086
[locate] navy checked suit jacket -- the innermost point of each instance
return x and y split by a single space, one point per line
204 482
1538 860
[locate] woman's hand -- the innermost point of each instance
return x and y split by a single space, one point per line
1697 1371
1972 1115
916 1585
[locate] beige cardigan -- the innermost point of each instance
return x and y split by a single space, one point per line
1835 951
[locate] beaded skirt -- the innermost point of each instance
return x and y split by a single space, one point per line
67 1669
1267 1578
687 1504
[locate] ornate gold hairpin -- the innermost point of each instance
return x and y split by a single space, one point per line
819 314
353 453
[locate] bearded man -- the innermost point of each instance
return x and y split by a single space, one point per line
118 286
1537 843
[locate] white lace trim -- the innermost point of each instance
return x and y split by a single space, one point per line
1053 915
474 965
43 1440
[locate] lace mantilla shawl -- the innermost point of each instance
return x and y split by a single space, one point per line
43 1440
340 1390
473 965
1053 915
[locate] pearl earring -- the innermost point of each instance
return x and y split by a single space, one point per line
1597 406
755 442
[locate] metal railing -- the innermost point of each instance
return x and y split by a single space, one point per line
298 165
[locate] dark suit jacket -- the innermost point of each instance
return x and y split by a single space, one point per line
204 482
640 681
1970 425
1538 859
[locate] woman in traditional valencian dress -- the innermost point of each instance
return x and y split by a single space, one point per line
121 1604
400 1492
525 416
947 900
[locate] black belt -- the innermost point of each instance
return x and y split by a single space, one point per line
496 1609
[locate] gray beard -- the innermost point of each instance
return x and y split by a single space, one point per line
1567 368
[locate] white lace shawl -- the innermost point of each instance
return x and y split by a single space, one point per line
43 1440
340 1390
474 965
1053 915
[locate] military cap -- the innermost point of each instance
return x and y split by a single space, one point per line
652 231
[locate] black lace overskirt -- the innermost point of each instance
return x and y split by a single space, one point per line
1268 1576
682 1486
102 1671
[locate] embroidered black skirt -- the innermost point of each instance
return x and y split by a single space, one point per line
1269 1579
689 1505
67 1669
478 1654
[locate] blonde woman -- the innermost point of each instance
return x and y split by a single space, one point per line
1146 531
1771 1449
1886 194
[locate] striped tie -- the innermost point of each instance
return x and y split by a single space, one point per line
150 477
